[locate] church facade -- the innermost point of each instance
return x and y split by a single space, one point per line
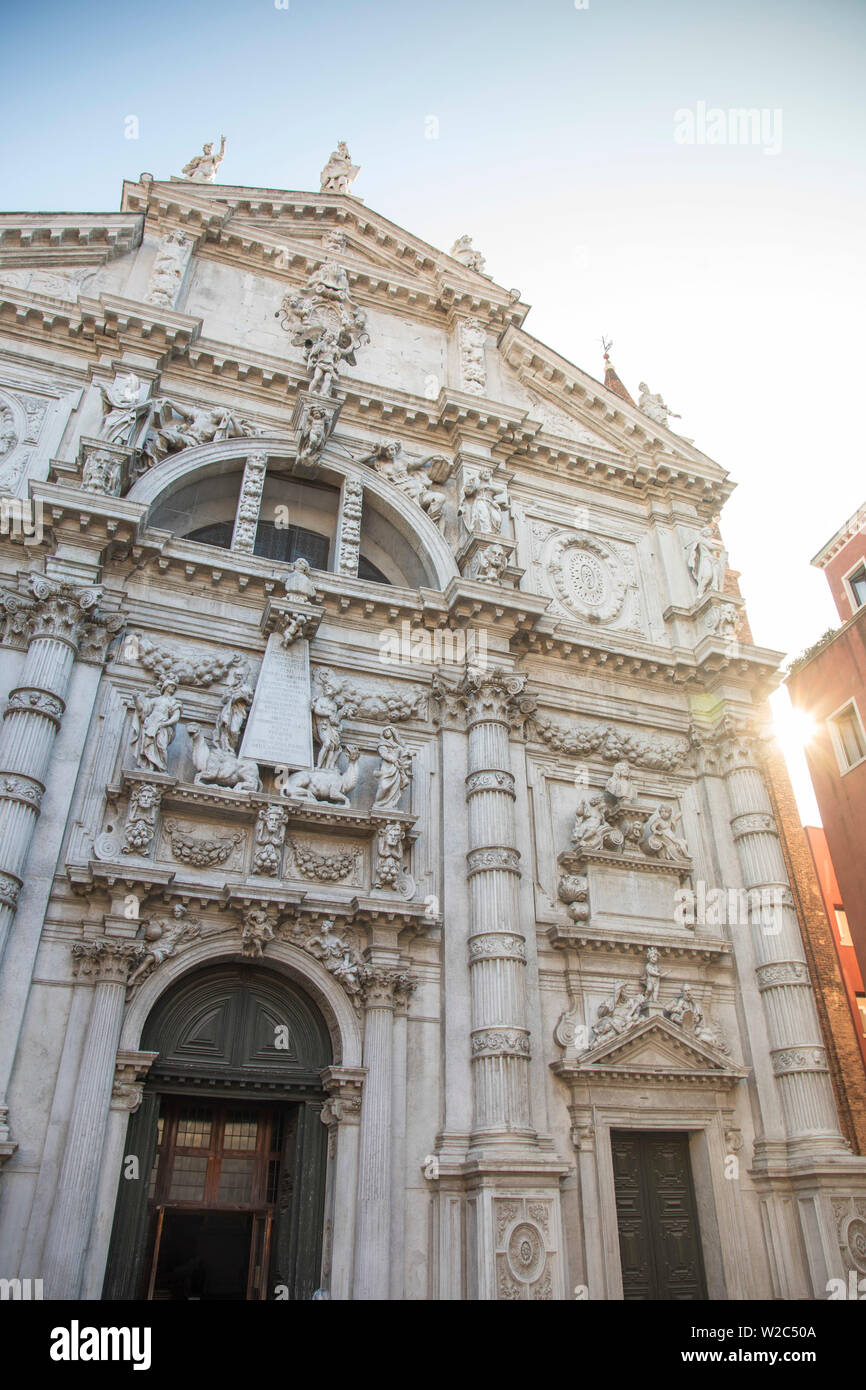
391 902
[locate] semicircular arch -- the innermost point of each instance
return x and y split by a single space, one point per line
207 460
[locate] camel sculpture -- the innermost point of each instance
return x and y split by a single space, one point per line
221 767
325 783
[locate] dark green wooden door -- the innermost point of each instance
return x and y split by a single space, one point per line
659 1238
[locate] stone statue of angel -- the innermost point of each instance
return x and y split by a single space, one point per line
409 473
659 838
161 940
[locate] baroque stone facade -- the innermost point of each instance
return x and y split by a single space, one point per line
383 743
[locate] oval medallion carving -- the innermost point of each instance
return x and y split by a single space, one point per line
587 577
526 1253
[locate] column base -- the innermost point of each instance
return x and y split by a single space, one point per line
498 1225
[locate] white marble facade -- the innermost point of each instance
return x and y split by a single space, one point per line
506 738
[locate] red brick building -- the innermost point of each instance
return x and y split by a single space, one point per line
829 684
852 975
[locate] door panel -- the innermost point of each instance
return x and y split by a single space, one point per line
659 1238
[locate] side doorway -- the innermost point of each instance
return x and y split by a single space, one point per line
657 1218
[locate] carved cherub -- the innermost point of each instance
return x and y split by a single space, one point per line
162 940
257 931
659 838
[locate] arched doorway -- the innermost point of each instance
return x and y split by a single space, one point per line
225 1199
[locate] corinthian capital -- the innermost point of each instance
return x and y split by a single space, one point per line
130 1074
104 961
484 694
386 987
44 607
731 744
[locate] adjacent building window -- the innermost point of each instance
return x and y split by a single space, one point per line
861 1005
848 737
842 926
857 584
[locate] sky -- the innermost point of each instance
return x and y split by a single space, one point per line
565 138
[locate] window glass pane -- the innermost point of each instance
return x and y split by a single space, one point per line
241 1130
236 1180
288 543
858 585
187 1179
861 1005
367 570
842 924
151 1186
850 736
218 533
193 1127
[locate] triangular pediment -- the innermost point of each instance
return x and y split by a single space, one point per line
558 420
543 373
279 229
657 1047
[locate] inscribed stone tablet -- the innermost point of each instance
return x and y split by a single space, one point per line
279 729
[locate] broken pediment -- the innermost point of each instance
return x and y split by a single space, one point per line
654 1049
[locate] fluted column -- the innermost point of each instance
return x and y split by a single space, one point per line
54 616
106 962
798 1055
372 1254
497 952
342 1114
127 1091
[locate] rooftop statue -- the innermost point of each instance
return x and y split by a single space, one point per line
339 172
654 407
464 252
202 168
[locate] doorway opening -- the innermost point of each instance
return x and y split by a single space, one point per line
213 1196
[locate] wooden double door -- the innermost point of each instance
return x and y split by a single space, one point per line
215 1189
659 1236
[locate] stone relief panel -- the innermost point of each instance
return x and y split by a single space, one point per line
849 1214
58 284
525 1249
610 852
555 421
201 845
591 578
22 416
325 860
